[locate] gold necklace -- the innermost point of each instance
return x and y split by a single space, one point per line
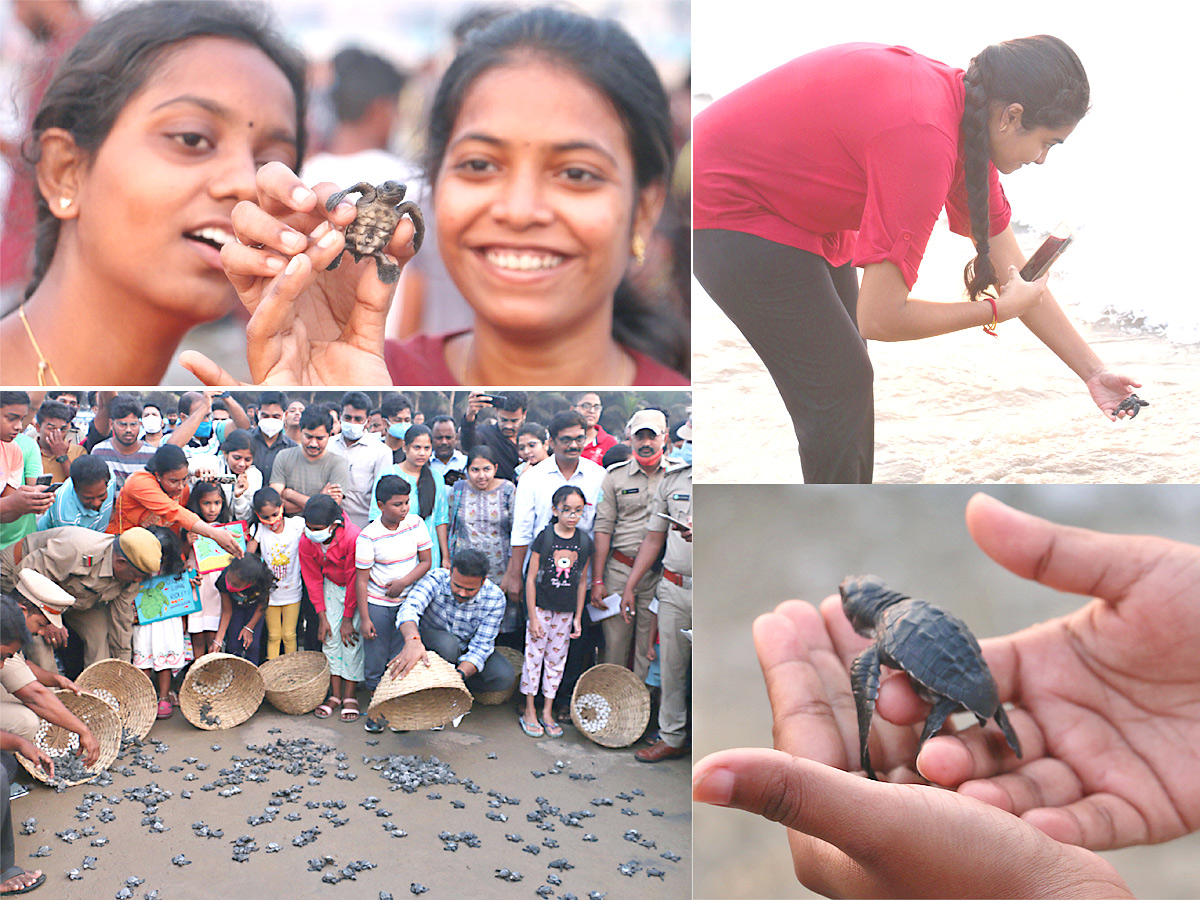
44 366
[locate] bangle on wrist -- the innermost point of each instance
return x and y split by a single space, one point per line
991 329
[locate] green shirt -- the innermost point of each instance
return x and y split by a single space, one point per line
12 532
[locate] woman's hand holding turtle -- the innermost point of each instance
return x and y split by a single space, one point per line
1018 296
1108 714
1108 389
307 325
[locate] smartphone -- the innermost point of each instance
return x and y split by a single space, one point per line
44 480
1052 248
676 522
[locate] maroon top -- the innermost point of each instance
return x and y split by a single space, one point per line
421 362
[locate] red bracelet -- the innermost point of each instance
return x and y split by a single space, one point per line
991 329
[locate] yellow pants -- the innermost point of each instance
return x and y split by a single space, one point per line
281 626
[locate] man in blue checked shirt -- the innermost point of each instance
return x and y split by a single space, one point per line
456 613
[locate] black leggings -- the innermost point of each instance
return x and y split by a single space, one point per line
799 314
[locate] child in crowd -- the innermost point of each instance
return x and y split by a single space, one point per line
554 594
327 565
533 445
160 647
245 586
392 553
276 538
208 501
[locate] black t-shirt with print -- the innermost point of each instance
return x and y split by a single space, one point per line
562 563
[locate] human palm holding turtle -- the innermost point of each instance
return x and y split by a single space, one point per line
1107 710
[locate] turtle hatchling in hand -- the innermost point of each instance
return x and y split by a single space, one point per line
379 211
934 647
1132 404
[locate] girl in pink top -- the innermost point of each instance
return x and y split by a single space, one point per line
845 158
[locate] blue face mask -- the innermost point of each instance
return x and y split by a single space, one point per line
204 431
686 452
398 430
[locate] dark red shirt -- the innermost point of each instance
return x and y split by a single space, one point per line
850 152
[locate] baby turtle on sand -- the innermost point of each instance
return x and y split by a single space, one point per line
1132 404
934 647
379 212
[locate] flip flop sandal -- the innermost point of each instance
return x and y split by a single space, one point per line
533 731
325 710
553 729
36 883
350 713
165 709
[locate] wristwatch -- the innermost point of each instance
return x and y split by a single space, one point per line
61 459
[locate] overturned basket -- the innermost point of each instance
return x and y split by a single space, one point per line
428 696
610 705
221 691
495 698
296 683
62 745
127 689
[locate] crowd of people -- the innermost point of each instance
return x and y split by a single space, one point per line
557 249
374 528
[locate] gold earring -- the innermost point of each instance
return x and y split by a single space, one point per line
64 203
639 249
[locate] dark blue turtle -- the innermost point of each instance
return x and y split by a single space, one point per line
378 212
1132 404
934 647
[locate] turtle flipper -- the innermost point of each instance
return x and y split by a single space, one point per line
388 273
937 718
361 188
864 682
335 262
418 220
1010 735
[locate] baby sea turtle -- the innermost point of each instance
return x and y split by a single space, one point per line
379 210
1132 404
934 647
417 888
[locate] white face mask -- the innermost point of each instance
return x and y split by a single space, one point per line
270 427
318 537
152 424
352 431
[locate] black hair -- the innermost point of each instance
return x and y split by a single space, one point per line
537 429
355 400
426 484
1042 74
52 409
218 403
562 494
114 60
89 469
266 398
322 510
615 454
437 420
123 405
173 560
238 439
186 401
564 419
260 580
14 398
512 401
470 562
202 489
483 451
577 396
389 486
603 55
12 619
359 78
167 458
266 496
393 402
316 416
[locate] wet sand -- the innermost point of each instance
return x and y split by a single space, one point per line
799 542
419 857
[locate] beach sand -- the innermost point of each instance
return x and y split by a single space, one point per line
963 407
799 542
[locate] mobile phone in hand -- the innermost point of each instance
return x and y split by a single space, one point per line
1052 248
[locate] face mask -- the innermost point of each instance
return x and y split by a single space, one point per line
686 452
398 430
204 431
649 462
152 423
318 537
352 431
270 427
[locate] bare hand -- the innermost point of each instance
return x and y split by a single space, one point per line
227 542
628 606
597 596
536 631
1108 389
348 634
476 401
511 585
323 628
1018 296
29 498
307 326
55 636
576 627
35 755
395 588
413 652
368 629
334 491
89 747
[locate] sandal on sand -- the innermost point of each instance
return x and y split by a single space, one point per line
350 713
533 731
165 709
325 710
17 872
553 729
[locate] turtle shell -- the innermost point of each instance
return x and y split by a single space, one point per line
371 231
938 651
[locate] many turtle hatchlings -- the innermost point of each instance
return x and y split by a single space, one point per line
508 875
29 826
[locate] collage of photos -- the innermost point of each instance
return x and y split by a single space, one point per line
352 358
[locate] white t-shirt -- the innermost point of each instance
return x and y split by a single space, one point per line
282 553
389 555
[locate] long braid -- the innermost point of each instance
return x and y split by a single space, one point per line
979 274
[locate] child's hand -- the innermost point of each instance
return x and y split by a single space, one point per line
195 580
246 636
535 628
349 635
322 628
368 629
577 627
652 653
395 588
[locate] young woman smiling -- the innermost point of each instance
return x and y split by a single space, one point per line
148 135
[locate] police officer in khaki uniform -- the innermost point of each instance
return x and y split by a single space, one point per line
673 498
101 571
621 516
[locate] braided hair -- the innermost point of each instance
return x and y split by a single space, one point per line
1042 74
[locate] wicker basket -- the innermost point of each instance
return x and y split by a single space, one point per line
495 698
221 691
98 716
610 705
128 690
296 683
428 696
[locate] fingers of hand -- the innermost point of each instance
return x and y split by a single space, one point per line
979 753
205 370
281 191
1098 822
